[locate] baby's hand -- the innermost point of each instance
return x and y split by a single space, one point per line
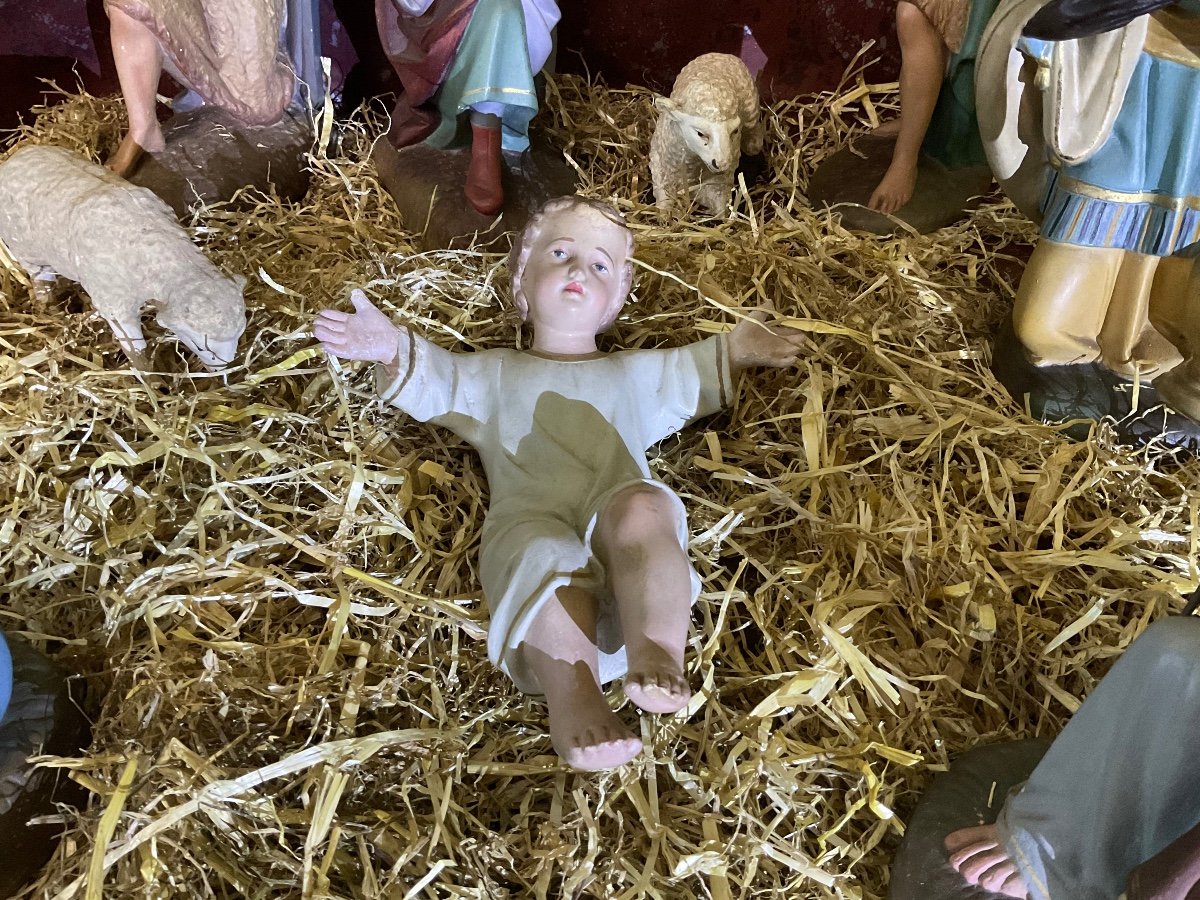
753 343
364 334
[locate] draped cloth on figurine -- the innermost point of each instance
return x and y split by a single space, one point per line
1140 189
227 51
1097 139
455 55
953 135
557 440
1119 784
1084 85
949 19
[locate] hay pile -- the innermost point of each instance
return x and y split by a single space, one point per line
268 583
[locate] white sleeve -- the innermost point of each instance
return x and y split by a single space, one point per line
693 381
435 385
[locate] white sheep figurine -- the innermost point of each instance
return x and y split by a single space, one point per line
710 119
63 215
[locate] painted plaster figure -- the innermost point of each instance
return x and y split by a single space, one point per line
38 715
468 56
62 215
583 557
1114 805
710 119
939 40
1110 165
227 52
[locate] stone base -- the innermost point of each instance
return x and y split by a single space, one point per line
427 185
210 156
846 181
1089 392
957 799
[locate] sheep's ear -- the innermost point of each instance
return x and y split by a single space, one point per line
664 105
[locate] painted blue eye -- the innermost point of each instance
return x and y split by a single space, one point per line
558 253
601 268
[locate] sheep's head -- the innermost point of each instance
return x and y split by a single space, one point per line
208 317
715 142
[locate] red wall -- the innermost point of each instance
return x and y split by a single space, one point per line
806 43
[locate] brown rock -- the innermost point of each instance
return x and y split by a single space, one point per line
427 185
846 180
210 156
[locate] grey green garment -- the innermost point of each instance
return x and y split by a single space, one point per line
1122 781
953 135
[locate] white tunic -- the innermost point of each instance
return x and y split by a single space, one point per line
557 439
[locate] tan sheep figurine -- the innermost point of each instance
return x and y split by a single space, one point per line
62 215
710 119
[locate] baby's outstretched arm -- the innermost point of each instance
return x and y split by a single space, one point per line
754 343
365 334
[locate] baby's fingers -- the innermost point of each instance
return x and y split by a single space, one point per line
333 315
324 331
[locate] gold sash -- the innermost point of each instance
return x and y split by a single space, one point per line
1174 35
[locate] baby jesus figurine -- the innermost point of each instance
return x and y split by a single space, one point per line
583 556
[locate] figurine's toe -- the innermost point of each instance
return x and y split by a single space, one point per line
658 691
602 748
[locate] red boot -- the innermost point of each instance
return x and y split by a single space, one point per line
484 190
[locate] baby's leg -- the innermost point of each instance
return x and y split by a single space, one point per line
560 649
139 62
650 578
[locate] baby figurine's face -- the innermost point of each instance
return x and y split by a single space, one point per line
574 278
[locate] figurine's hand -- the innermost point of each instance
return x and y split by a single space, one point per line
895 189
753 343
364 334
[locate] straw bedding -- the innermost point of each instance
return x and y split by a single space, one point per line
267 581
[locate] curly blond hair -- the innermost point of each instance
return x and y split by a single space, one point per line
518 256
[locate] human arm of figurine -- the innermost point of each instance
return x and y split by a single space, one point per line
365 334
429 383
922 70
755 343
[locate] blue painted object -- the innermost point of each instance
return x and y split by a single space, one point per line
6 676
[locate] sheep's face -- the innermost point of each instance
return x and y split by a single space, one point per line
210 323
716 143
213 352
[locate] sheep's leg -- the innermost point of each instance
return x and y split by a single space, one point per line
753 136
128 332
41 280
139 62
713 196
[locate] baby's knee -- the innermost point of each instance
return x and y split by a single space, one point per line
637 512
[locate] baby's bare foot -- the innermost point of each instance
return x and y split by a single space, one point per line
589 737
658 692
656 681
583 728
979 856
603 747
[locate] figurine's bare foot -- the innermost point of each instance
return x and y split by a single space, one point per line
125 160
979 856
588 736
656 681
895 188
891 126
